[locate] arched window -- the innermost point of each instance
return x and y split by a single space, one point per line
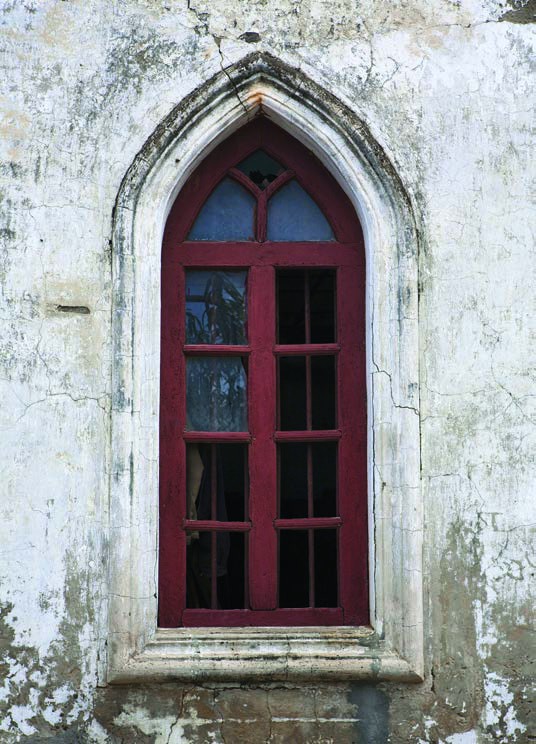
263 453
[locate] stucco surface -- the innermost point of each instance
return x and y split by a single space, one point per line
446 88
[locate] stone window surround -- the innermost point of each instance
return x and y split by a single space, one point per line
392 648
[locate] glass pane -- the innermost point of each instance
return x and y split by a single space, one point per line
216 307
293 501
326 594
293 215
291 307
324 456
216 398
293 568
260 168
226 215
225 500
292 391
292 481
323 392
322 303
229 567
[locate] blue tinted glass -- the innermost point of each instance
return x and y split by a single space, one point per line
293 215
216 307
226 215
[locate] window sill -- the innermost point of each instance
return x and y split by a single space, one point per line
264 654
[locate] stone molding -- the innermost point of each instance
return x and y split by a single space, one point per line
393 648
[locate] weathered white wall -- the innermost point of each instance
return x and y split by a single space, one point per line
446 89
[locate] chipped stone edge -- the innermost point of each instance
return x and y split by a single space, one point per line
344 144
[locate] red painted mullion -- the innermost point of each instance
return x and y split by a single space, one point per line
317 435
207 525
262 463
242 254
213 535
244 180
302 523
276 618
246 535
262 211
215 350
214 570
352 472
209 437
309 420
301 349
276 184
172 509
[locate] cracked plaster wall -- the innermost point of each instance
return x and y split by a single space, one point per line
446 88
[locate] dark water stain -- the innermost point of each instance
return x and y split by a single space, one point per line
372 704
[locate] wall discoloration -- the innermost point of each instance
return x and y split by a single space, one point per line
445 88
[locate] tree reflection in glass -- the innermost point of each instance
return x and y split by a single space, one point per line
216 395
216 307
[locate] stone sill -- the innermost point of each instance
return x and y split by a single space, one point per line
264 655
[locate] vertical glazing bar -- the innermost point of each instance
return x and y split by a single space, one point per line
311 545
213 535
352 419
261 217
214 570
246 534
309 411
309 418
213 483
262 465
172 559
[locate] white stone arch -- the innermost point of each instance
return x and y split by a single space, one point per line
394 647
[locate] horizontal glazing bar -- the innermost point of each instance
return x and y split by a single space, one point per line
239 255
306 349
208 525
217 437
317 523
216 350
303 616
317 435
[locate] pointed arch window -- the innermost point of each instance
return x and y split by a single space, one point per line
263 494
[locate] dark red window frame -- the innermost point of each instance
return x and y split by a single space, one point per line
262 258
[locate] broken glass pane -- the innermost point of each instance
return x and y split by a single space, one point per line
260 168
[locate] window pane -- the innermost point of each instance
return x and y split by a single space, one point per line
260 168
292 481
325 479
216 307
326 594
229 568
293 215
322 304
292 391
291 307
227 501
293 568
293 469
226 215
216 398
323 392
